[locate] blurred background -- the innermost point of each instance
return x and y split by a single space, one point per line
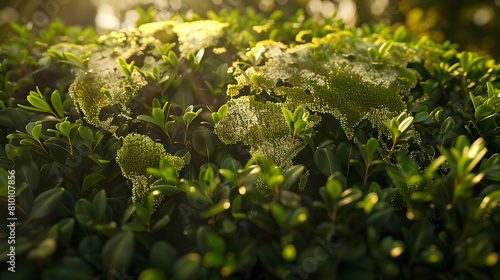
474 25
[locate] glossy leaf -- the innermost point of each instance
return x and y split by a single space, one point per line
55 98
118 251
91 180
159 116
38 103
447 125
326 161
46 203
483 111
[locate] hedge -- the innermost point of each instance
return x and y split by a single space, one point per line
245 146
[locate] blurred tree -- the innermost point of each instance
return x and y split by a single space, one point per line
474 25
37 13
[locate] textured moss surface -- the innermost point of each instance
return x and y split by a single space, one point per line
343 75
104 71
138 153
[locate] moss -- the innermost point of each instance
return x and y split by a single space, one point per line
260 125
89 99
333 75
138 153
104 70
303 180
322 80
178 162
196 35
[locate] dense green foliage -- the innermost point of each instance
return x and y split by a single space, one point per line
206 149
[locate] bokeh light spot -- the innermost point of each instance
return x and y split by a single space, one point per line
482 16
379 6
106 18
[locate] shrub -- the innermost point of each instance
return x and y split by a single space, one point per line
246 146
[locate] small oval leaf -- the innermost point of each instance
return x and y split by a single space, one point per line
447 125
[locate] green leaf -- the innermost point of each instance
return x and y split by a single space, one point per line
188 117
161 255
298 216
400 34
85 133
299 126
393 126
399 182
38 103
73 57
35 131
156 74
236 205
489 202
491 90
299 114
403 126
148 119
474 100
55 98
55 54
493 101
161 223
90 249
117 253
159 116
31 108
65 227
69 267
169 125
157 104
279 214
310 142
464 60
91 180
204 142
223 110
64 127
229 175
124 66
373 53
408 166
183 98
55 143
447 125
27 171
333 188
134 227
216 117
291 176
386 46
421 116
326 161
107 93
288 116
46 202
99 205
165 190
206 175
371 147
215 209
483 111
44 249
